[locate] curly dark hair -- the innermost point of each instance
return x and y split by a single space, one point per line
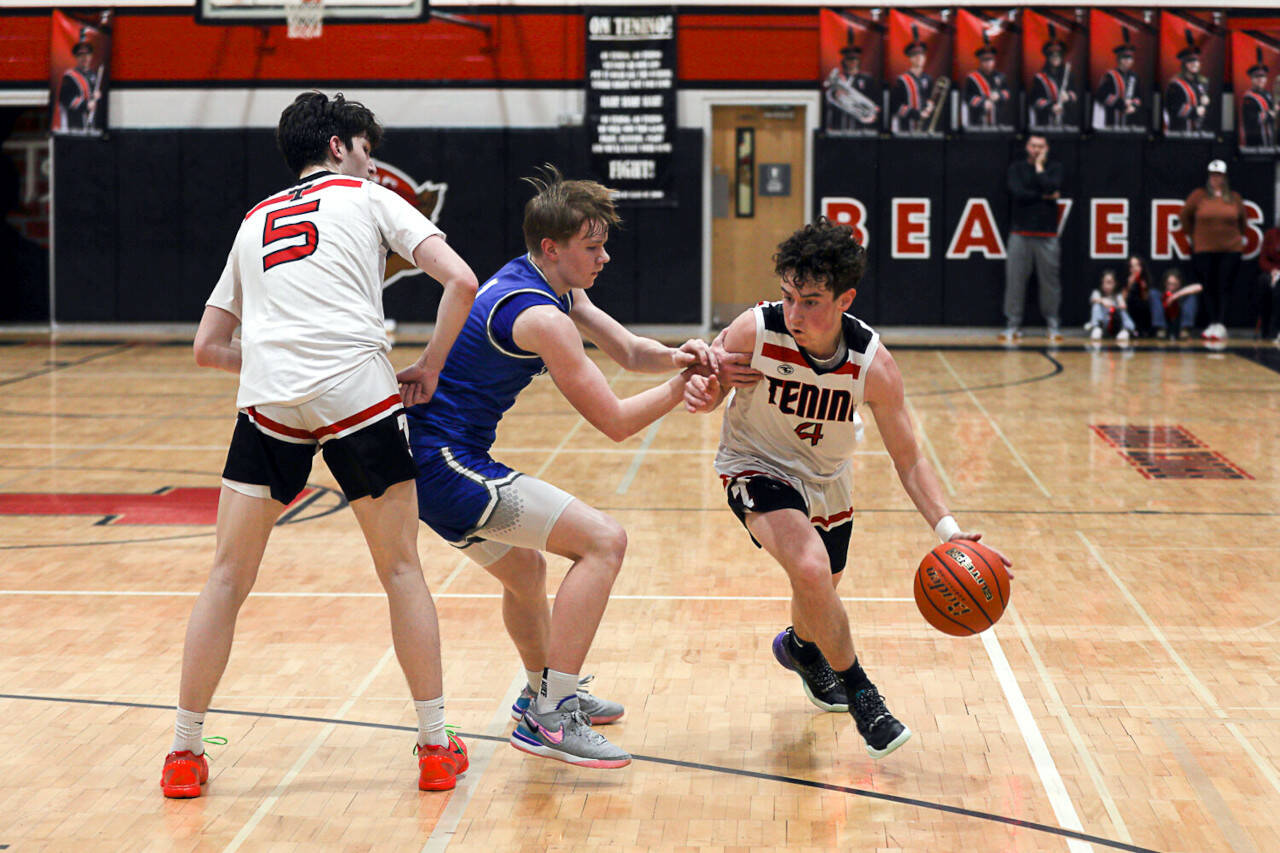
823 253
307 125
561 206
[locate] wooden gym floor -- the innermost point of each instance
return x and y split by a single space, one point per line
1128 700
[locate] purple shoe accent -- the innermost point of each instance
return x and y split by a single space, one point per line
782 653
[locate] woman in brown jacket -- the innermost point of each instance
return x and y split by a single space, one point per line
1214 217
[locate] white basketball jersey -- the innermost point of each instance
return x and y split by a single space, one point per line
305 278
797 422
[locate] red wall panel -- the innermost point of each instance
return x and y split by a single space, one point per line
24 48
762 47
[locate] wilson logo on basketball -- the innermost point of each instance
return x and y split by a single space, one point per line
951 602
965 563
427 197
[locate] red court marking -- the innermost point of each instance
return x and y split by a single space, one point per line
172 506
1168 452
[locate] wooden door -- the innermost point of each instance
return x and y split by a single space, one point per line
755 201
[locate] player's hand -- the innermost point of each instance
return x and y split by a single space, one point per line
1057 108
975 537
695 353
417 384
701 393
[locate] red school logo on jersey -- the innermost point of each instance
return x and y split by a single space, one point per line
427 197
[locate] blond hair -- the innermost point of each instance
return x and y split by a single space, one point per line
560 207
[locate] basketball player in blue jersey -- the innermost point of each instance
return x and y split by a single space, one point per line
785 449
529 318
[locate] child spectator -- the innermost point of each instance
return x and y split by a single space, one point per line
1137 293
1174 304
1108 310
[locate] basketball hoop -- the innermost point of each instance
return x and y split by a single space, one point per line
305 18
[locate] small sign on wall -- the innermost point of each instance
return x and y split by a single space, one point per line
775 179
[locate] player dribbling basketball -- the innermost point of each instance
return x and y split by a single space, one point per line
785 448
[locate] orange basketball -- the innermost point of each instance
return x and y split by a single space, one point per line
962 588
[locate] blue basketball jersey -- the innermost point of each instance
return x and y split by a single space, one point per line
485 370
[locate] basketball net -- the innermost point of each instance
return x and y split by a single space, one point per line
305 18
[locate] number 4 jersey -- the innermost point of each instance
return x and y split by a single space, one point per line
800 422
305 278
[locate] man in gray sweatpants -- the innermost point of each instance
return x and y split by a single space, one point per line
1034 187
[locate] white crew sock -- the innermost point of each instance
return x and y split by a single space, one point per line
431 722
556 687
188 731
535 680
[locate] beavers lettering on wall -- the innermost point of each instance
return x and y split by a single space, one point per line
976 231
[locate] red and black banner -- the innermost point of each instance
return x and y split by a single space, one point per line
851 56
1193 48
1122 58
79 53
988 56
917 66
1055 53
1255 77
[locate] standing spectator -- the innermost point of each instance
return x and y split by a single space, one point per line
1108 311
1213 217
1267 291
1137 292
1174 305
1034 185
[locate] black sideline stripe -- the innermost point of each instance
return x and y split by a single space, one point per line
670 762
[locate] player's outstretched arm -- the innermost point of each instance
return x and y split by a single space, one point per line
437 259
553 336
732 349
884 394
215 345
631 351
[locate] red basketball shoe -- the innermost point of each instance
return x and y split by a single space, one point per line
440 766
184 772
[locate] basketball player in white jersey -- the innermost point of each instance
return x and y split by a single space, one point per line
785 449
304 283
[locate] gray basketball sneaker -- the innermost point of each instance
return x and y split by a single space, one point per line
565 734
600 711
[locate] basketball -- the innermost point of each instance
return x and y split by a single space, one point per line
961 588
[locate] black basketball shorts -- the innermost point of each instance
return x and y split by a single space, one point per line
761 493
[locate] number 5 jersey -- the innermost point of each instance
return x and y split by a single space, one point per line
305 277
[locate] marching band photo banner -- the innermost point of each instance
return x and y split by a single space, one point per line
1055 50
918 65
1122 57
1193 49
79 52
987 58
851 59
1255 61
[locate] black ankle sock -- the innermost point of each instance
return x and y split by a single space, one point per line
854 679
803 652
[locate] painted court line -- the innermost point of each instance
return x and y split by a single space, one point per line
1210 797
1197 686
1055 705
478 757
1059 799
615 597
638 459
929 449
995 426
269 803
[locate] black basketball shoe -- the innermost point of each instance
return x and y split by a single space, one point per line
882 732
821 684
